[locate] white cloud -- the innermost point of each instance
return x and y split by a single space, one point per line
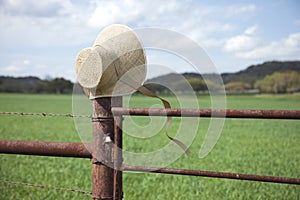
42 23
50 33
40 66
297 22
249 45
23 68
246 9
251 30
10 69
176 15
213 43
248 40
202 23
15 67
34 8
140 13
287 48
26 62
238 10
58 23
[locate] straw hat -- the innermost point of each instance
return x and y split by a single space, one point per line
114 66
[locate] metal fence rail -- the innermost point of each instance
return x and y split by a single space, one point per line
213 174
78 150
38 148
107 184
184 112
229 113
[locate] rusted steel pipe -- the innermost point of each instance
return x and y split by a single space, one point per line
102 162
212 174
118 157
229 113
38 148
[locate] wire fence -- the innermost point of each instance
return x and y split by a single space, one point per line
45 114
79 149
175 112
44 149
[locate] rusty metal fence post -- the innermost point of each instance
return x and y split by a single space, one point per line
107 150
103 129
118 157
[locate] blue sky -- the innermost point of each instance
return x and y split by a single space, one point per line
42 38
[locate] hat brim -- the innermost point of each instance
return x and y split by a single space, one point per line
88 67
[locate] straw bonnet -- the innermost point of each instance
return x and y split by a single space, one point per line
114 66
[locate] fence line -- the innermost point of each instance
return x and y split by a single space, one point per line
184 112
44 114
213 174
79 149
39 148
221 113
46 187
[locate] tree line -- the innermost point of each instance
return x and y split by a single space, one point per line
278 82
35 85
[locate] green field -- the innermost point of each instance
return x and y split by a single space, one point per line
267 147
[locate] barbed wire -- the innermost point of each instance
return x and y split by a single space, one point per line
45 114
46 187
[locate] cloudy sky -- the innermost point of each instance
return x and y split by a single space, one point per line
42 38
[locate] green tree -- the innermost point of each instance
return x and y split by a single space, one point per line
279 82
237 86
59 86
195 83
157 88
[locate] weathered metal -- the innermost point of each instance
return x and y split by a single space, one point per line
38 148
102 162
228 113
106 155
212 174
185 112
118 157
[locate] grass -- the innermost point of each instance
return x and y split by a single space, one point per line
268 147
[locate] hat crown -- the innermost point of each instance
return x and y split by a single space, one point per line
114 66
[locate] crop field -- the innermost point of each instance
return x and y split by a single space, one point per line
253 146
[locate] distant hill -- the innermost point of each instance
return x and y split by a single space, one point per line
256 72
249 75
244 78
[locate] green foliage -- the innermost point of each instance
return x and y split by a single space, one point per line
267 147
212 86
196 84
256 72
157 88
240 81
59 86
35 85
237 86
280 82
